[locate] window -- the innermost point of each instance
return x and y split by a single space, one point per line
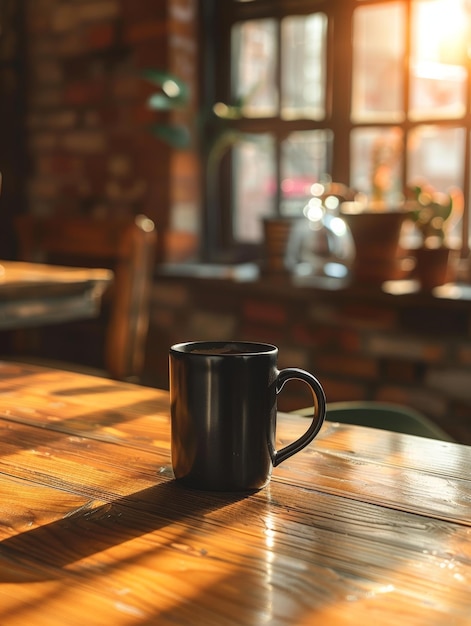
374 94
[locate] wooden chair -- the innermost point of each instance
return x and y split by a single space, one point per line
125 245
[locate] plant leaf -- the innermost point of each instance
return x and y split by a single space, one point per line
159 77
174 90
178 136
162 102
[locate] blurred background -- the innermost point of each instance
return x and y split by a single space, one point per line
217 119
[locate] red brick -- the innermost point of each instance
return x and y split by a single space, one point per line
349 340
463 355
335 338
84 141
152 53
48 72
294 397
59 164
254 332
401 371
339 390
127 87
42 142
184 11
303 335
146 30
83 92
100 36
422 399
453 382
369 316
211 326
141 114
405 347
457 422
170 295
264 311
48 97
135 11
293 357
352 366
44 188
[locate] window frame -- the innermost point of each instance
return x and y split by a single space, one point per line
217 18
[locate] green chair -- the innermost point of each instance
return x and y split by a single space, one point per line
383 415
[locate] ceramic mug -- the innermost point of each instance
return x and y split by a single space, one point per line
223 413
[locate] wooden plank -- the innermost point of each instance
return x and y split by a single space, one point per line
92 519
315 468
178 556
81 405
379 446
77 464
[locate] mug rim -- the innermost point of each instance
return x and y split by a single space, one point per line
247 348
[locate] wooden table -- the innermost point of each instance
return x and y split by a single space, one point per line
33 294
363 527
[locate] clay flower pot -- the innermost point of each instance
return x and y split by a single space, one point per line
376 234
434 266
276 232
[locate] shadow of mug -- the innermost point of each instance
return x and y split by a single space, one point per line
44 552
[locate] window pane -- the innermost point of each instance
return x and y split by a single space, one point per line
378 60
376 162
303 50
436 154
305 159
439 46
436 157
254 59
254 185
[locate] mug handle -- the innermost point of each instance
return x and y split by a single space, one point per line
290 373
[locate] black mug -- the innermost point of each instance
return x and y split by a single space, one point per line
223 411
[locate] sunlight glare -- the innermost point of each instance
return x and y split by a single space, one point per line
440 31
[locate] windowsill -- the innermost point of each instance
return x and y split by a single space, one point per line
251 273
239 273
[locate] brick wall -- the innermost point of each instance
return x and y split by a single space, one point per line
87 124
362 344
13 159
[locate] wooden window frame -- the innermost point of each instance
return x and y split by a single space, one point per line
217 18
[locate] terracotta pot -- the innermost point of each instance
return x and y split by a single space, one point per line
433 266
376 234
276 234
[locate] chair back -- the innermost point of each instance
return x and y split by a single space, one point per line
125 245
384 415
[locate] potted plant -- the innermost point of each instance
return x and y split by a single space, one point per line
376 231
433 214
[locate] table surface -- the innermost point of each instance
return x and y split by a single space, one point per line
362 527
33 294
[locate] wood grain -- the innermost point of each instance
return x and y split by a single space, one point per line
361 526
